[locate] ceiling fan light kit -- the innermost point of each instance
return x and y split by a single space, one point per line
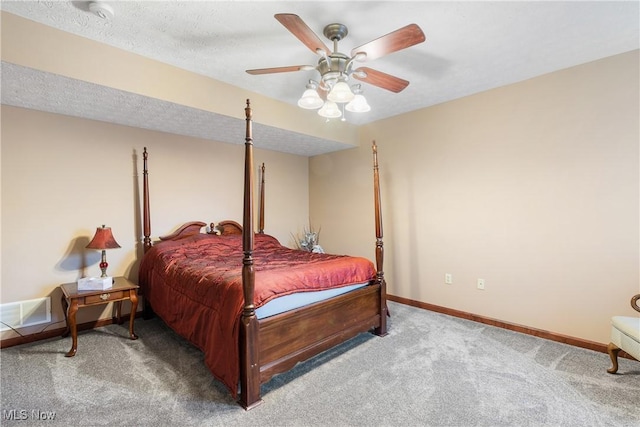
358 105
310 99
330 110
341 92
336 68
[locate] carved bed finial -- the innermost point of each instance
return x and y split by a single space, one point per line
247 110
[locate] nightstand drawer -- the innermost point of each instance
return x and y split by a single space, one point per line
107 296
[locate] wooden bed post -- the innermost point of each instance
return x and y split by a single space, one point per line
145 202
249 358
382 330
147 312
261 210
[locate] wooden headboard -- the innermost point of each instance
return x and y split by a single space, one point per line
223 228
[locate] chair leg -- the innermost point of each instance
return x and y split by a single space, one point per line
613 351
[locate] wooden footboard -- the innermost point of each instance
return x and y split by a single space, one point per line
292 337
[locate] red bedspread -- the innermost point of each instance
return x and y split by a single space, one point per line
195 286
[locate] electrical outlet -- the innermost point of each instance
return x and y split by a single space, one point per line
481 284
448 279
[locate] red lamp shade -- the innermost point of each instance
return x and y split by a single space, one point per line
103 240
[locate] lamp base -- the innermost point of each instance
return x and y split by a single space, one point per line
104 264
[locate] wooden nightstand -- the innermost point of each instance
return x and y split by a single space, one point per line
72 299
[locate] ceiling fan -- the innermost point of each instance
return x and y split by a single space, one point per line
337 68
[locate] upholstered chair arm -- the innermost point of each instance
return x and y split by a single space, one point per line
634 302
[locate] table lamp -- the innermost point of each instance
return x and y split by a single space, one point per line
103 240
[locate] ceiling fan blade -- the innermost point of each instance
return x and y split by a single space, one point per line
280 69
399 39
380 79
298 28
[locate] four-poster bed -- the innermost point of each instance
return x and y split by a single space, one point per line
210 289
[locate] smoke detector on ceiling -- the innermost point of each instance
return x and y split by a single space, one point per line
101 9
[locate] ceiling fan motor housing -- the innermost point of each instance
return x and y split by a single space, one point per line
332 67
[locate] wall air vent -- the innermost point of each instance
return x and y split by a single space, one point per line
21 314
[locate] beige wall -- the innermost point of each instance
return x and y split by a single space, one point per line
62 177
533 187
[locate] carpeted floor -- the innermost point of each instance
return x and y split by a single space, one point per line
431 370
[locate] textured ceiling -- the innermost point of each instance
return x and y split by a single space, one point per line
471 47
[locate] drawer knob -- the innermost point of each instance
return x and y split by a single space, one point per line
104 297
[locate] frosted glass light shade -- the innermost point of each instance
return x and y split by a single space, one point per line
310 100
330 110
358 105
341 93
